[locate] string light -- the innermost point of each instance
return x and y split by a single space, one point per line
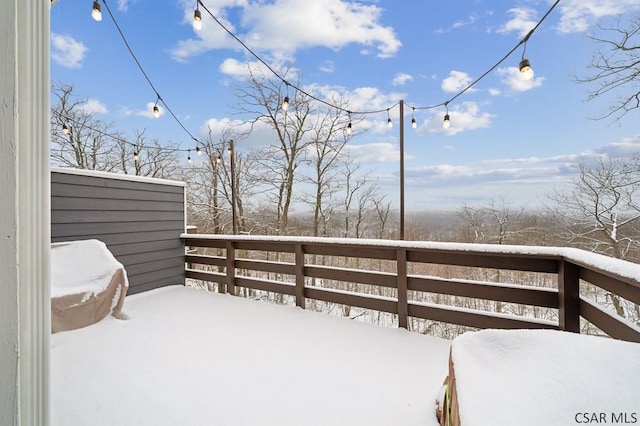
97 15
219 160
65 129
189 157
96 12
525 66
414 123
389 122
156 110
115 137
446 123
136 156
197 18
198 151
146 76
285 104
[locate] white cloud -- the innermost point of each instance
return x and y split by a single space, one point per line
283 26
220 126
578 15
515 80
366 98
456 82
147 112
622 149
521 170
123 5
495 92
524 19
401 79
470 20
242 70
328 66
464 117
380 152
93 106
66 51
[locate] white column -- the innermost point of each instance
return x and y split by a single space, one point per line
24 212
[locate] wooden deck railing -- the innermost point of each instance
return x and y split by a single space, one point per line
296 269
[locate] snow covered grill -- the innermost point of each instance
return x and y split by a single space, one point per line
87 284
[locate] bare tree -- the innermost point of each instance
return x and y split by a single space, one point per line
261 98
383 210
492 223
602 207
78 138
616 67
328 139
601 213
354 185
146 158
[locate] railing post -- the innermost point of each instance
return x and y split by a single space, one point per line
231 268
300 299
569 296
403 310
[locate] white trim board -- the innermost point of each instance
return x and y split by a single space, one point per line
119 176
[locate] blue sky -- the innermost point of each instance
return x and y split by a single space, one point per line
509 138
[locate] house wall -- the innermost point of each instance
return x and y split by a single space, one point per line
139 219
24 213
9 326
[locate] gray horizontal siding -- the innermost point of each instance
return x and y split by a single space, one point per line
140 222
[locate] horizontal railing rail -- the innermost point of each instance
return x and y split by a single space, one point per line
295 265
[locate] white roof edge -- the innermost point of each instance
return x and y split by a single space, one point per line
119 176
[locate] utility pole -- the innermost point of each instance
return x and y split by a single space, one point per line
232 154
401 169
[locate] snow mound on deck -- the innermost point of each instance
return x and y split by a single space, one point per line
543 377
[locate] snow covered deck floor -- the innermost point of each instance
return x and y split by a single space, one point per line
189 357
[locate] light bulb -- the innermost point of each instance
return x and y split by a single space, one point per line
219 160
389 123
65 129
136 157
156 111
96 13
414 123
198 150
197 19
349 128
447 122
525 69
285 104
189 158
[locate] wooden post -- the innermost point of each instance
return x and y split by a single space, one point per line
231 268
300 300
569 296
403 310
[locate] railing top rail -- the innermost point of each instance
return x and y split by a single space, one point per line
626 271
623 270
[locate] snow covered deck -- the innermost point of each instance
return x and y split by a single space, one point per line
189 357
